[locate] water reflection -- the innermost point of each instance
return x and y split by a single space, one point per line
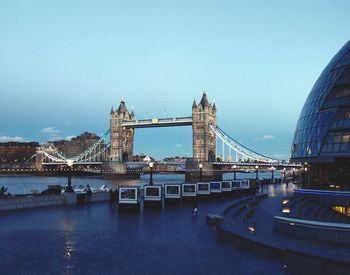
272 190
68 249
68 267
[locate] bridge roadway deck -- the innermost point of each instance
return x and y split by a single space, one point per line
97 239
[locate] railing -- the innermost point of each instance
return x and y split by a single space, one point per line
322 192
315 230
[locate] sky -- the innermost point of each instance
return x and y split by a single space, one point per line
63 64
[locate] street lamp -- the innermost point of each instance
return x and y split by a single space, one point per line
151 173
69 188
200 171
307 175
272 173
284 174
293 174
234 171
257 172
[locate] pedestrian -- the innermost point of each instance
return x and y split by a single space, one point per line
111 196
194 208
88 192
116 195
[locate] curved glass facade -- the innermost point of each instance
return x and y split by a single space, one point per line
323 128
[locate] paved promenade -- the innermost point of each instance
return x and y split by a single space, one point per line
264 235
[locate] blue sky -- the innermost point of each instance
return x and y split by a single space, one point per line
64 63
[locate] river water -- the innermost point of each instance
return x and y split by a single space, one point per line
100 239
28 184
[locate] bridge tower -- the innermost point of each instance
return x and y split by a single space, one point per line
122 139
204 139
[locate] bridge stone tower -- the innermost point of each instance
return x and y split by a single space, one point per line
122 139
204 139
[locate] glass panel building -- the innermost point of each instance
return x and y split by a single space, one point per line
322 135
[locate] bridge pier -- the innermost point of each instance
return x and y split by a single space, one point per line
209 171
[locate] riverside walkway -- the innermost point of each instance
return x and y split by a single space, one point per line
302 256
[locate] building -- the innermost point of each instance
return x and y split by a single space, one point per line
76 145
204 139
322 135
176 159
17 153
122 140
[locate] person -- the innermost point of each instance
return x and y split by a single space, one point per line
111 196
88 192
194 208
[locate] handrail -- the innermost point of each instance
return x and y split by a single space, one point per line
312 223
321 192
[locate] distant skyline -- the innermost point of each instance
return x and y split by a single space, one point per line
65 63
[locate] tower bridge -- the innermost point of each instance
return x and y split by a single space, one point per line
115 148
123 123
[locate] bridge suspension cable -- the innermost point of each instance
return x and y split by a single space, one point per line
89 153
95 151
98 150
239 148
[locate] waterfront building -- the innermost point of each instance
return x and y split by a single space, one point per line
16 153
76 145
322 135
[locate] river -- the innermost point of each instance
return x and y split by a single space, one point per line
27 184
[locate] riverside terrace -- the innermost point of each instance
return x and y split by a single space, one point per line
314 241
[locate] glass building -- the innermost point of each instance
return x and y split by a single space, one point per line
322 135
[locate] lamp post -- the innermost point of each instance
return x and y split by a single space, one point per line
200 171
307 176
272 173
257 172
293 175
69 188
284 174
151 173
234 171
